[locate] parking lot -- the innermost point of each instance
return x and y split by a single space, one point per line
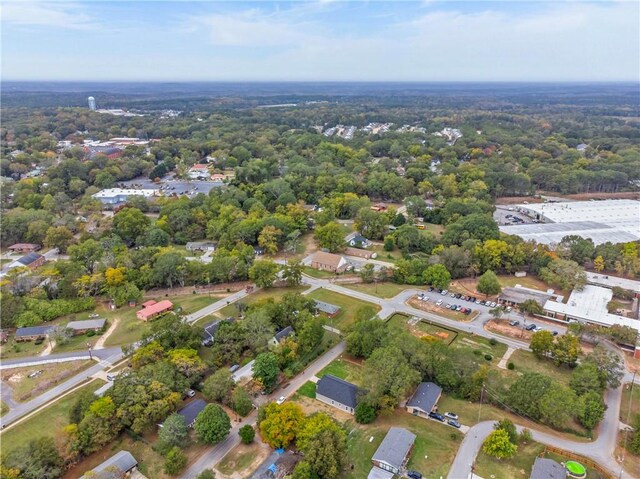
171 186
509 215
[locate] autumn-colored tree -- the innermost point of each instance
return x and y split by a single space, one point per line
497 444
269 238
598 264
187 362
281 424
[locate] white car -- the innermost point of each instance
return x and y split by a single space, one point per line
281 399
191 393
439 302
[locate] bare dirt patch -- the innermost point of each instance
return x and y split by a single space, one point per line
309 406
242 460
504 328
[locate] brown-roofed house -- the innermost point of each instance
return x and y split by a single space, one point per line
154 310
328 262
23 248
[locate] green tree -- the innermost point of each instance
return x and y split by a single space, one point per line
175 462
247 433
219 385
488 283
331 236
314 425
281 424
264 273
174 432
311 334
87 253
609 365
566 349
541 343
508 426
326 452
497 444
591 409
584 378
265 370
212 424
303 471
292 273
365 413
371 224
367 273
437 276
37 459
531 306
130 223
525 393
241 401
389 377
558 405
58 237
564 273
269 238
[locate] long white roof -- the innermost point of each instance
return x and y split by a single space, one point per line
112 192
590 305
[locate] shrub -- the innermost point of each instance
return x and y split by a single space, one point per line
91 333
511 366
477 352
247 433
175 461
365 413
488 357
525 436
493 341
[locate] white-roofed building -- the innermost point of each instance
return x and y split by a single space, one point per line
588 305
617 221
114 196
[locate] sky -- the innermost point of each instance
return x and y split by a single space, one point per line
321 40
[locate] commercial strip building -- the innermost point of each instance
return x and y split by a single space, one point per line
588 305
114 196
615 221
608 281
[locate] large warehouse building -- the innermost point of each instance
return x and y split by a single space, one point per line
617 221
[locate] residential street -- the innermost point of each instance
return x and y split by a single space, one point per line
216 453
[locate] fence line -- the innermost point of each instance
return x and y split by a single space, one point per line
581 459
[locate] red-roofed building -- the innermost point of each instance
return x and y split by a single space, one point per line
154 310
146 304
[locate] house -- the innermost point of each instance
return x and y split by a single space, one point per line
360 253
199 172
328 262
32 333
394 450
424 400
337 393
327 308
190 411
544 468
210 329
81 327
359 241
152 310
117 465
32 260
24 248
582 147
280 335
200 246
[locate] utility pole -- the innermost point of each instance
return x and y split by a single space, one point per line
624 448
481 397
89 348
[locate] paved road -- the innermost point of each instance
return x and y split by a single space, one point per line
39 401
215 454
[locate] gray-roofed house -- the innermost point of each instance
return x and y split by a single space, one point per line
32 333
200 246
116 466
544 468
280 335
32 260
359 241
190 411
81 327
424 400
327 308
210 329
394 450
337 392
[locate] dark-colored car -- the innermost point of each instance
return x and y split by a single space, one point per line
531 327
454 423
554 333
458 295
436 415
414 475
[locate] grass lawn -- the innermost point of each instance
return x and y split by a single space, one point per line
316 273
4 409
525 361
343 369
348 307
382 290
77 343
308 389
390 256
635 402
260 295
432 455
48 422
242 459
13 349
22 385
520 465
191 304
529 281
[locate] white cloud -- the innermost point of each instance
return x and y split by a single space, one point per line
49 14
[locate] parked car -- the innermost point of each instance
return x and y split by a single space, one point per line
425 298
430 288
436 415
94 315
453 295
451 415
439 302
448 306
531 327
482 302
414 475
467 310
281 399
493 304
459 308
189 393
555 333
454 423
444 292
508 309
458 295
514 322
